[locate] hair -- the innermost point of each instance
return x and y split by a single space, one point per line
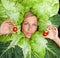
28 14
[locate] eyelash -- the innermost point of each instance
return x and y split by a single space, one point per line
34 25
28 24
25 23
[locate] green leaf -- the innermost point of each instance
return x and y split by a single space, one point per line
46 8
24 44
38 45
15 39
3 15
14 52
53 47
55 20
13 10
5 38
35 47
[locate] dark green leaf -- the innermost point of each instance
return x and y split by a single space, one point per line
55 20
53 47
14 52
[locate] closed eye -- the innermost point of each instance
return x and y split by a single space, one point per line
34 24
26 23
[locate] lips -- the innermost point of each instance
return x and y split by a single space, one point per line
29 33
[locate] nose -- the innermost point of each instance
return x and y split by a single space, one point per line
30 28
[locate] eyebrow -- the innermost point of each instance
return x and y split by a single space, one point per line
26 21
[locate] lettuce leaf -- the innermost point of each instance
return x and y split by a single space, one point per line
34 47
54 51
14 52
2 12
55 20
13 10
46 8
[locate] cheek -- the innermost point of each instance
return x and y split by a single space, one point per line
34 29
24 28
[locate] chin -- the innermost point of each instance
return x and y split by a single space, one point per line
28 37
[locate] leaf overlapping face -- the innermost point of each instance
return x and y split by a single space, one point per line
15 10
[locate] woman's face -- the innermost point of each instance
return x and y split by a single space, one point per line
29 26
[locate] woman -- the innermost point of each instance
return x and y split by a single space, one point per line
29 27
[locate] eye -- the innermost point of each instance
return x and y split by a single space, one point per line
34 24
26 23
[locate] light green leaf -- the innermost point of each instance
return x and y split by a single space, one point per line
13 10
34 47
46 8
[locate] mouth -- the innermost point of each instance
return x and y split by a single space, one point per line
29 34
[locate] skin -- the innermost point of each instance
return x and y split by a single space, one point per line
53 34
29 26
5 27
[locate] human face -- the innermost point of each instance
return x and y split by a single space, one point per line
29 26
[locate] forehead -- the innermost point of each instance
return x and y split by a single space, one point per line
30 19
